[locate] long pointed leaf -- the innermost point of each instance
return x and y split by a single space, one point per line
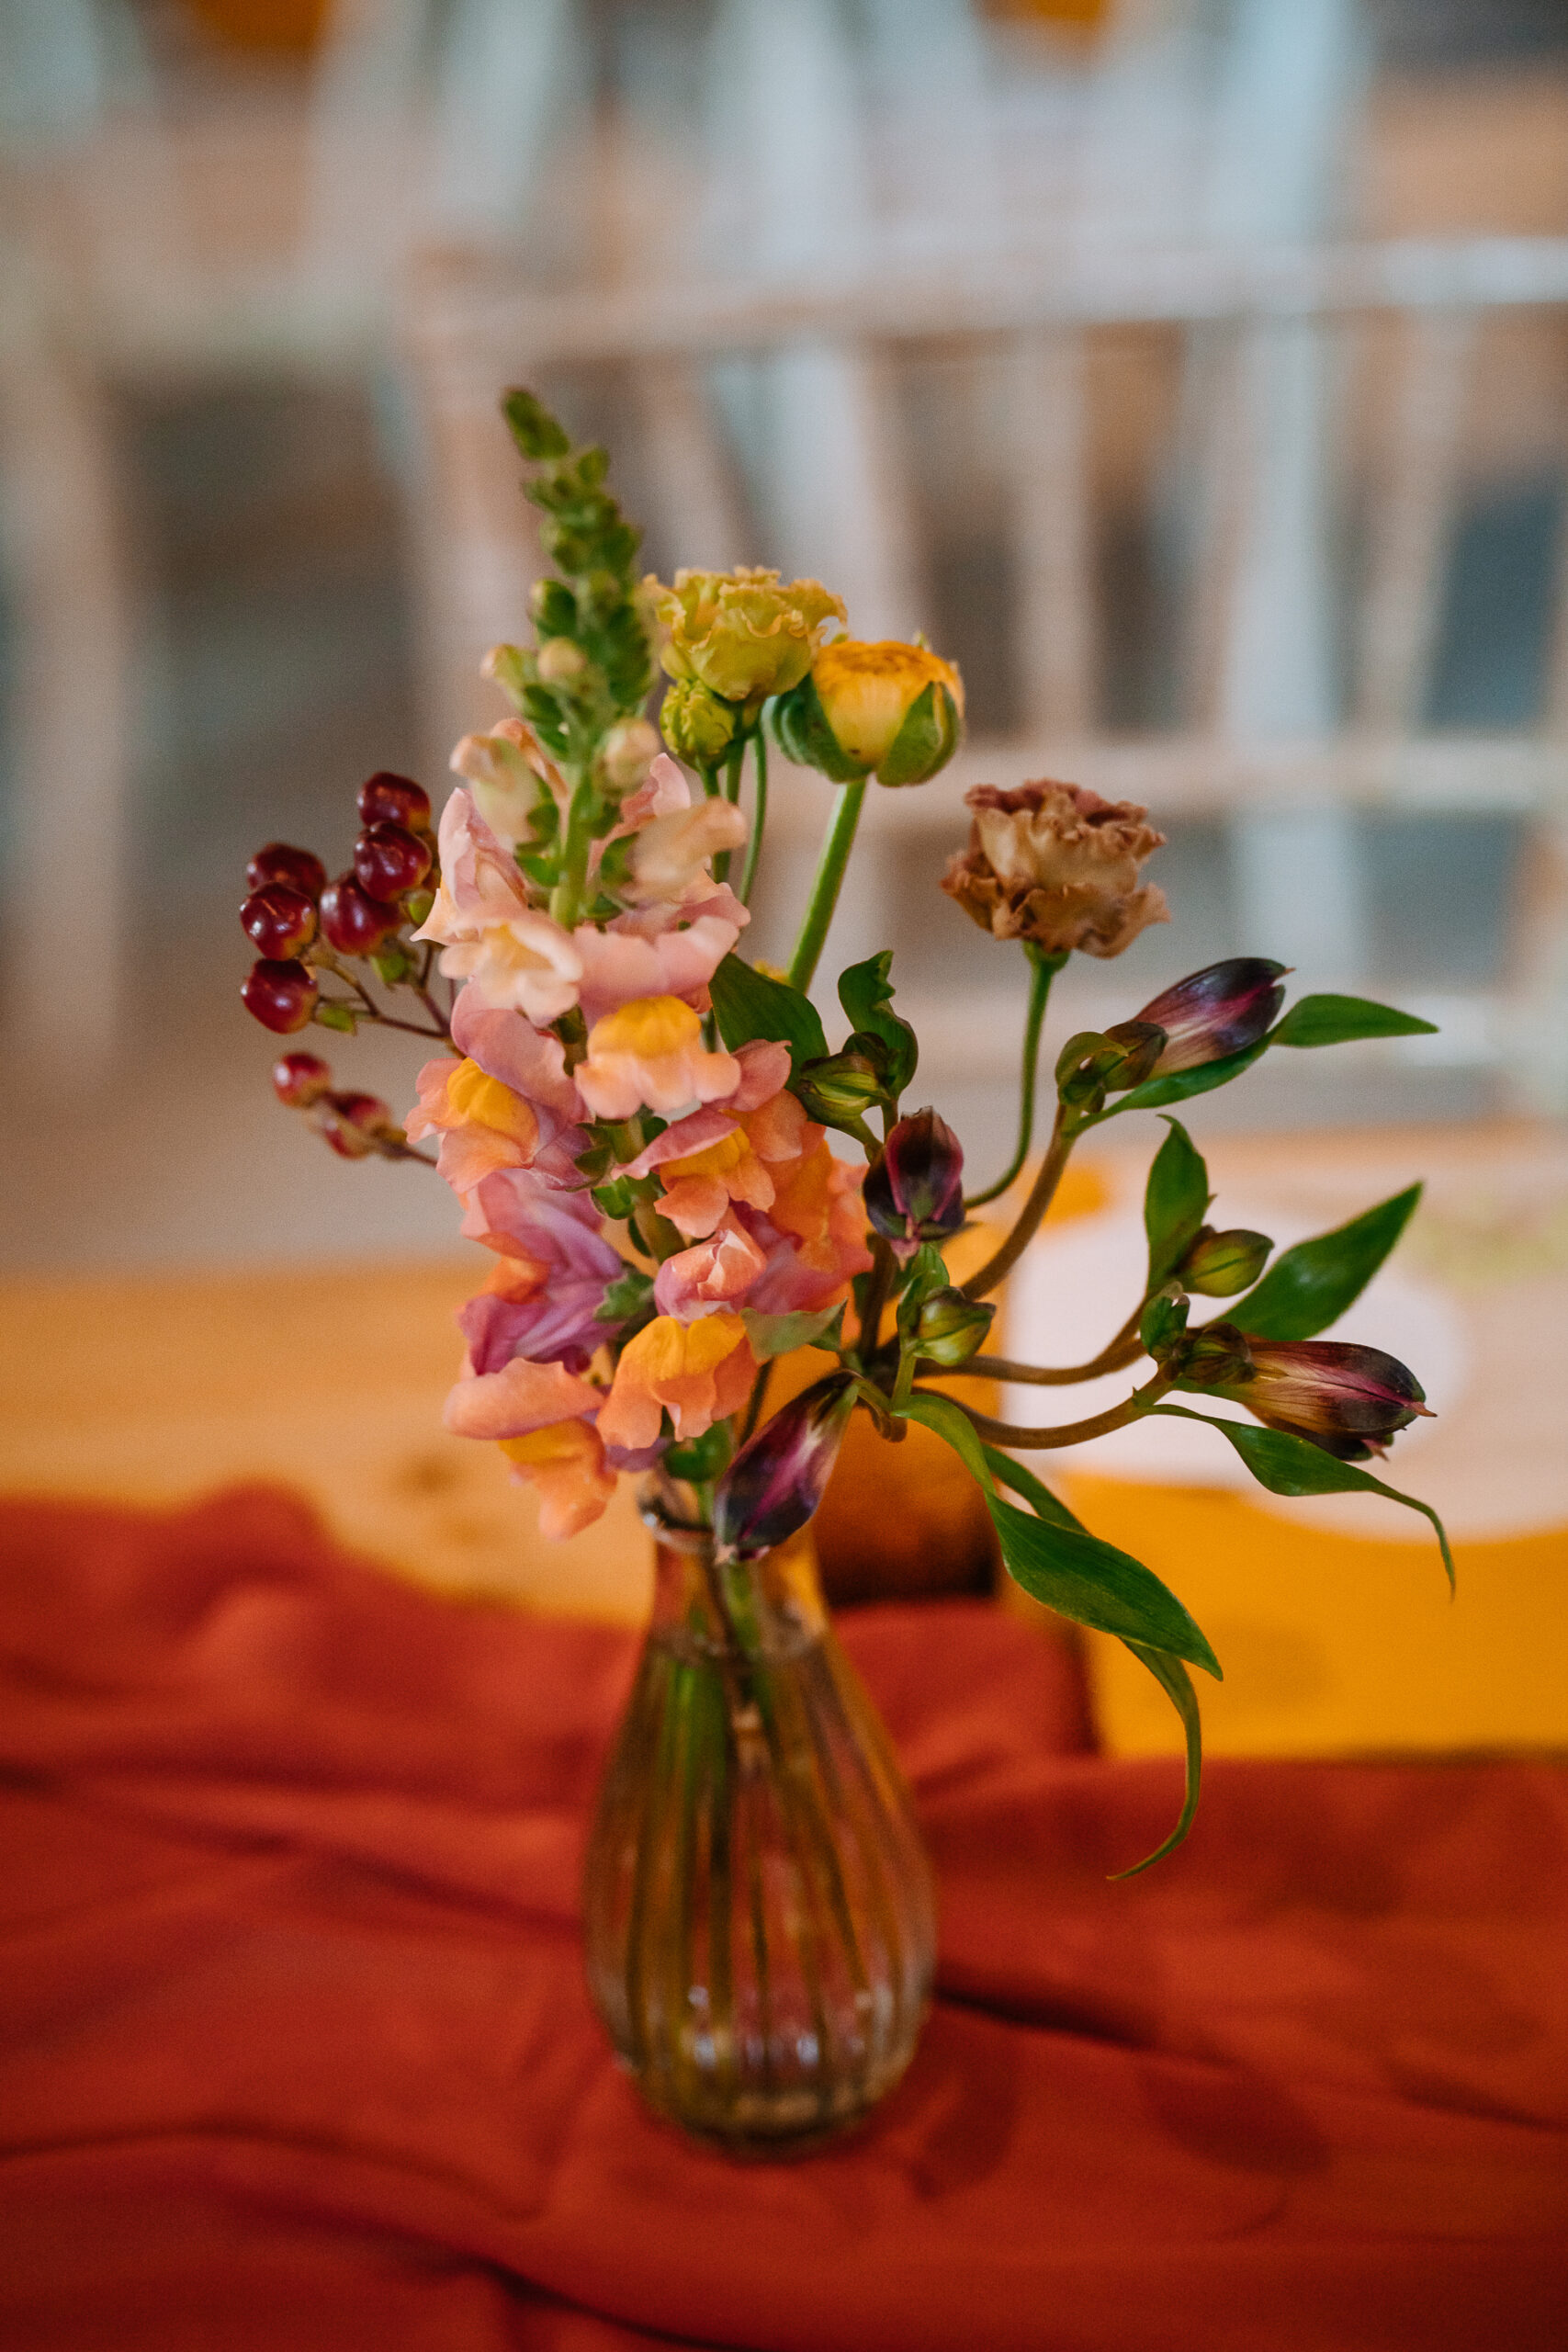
1177 1684
748 1004
1309 1287
1335 1020
1009 1473
1174 1202
1287 1464
1070 1570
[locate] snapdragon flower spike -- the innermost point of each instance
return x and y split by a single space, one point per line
1351 1401
778 1478
915 1191
1216 1012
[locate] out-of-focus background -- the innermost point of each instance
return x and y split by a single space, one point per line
1194 371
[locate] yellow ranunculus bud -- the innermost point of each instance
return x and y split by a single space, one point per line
894 709
697 725
743 634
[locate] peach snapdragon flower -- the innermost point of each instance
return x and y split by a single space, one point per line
696 1371
483 1126
566 1466
650 1052
726 1155
503 771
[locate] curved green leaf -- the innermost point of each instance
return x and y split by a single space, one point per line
1009 1473
1175 1201
1287 1464
748 1004
866 994
1177 1684
1335 1020
1309 1287
1071 1571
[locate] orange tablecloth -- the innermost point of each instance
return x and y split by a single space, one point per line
297 2054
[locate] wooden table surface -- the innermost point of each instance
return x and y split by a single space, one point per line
330 1380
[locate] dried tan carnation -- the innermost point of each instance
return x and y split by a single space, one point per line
1055 863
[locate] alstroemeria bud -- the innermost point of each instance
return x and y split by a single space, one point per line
839 1086
950 1327
1349 1401
697 725
1218 1265
776 1480
1214 1357
1216 1012
915 1191
892 709
1097 1063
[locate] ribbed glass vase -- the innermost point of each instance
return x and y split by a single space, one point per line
758 1904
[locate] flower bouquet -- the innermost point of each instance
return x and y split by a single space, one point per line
635 1120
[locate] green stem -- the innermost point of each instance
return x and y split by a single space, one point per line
566 899
1124 1350
996 1269
735 760
1065 1433
1045 968
758 818
837 843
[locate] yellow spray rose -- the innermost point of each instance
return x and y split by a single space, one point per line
890 710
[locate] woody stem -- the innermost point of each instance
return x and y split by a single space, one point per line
996 1268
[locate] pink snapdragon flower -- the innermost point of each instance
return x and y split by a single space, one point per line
713 1274
543 1300
512 956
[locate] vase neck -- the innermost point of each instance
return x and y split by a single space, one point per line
769 1607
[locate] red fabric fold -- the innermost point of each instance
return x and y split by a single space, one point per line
295 2049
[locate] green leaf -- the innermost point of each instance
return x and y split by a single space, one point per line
1156 1092
777 1335
1309 1287
866 994
747 1005
1095 1584
1009 1473
1287 1464
1071 1571
1335 1020
631 1291
1177 1684
1174 1202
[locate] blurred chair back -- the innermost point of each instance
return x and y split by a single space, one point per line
1265 333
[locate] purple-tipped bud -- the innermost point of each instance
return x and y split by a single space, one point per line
1349 1401
1216 1012
1218 1265
778 1479
915 1191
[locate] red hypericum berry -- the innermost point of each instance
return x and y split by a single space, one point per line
389 799
361 1118
389 860
280 861
279 919
281 996
352 921
300 1079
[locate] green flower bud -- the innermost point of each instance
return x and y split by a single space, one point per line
1163 1323
950 1327
1218 1265
697 725
839 1086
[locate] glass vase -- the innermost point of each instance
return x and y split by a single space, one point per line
758 1905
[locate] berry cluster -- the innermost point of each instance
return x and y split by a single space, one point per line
304 925
355 1125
